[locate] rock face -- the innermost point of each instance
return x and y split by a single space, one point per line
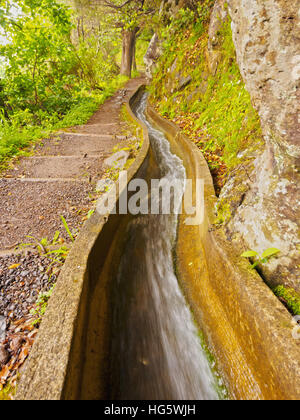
266 37
171 7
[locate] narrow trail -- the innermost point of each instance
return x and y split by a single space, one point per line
58 178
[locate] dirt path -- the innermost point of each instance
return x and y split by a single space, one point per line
60 178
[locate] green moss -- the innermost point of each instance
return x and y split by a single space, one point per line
290 297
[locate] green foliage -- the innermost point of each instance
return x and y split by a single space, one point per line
226 112
43 244
291 298
96 53
80 113
182 20
90 214
264 258
58 257
249 254
45 248
13 139
192 18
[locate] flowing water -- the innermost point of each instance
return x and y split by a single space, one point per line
156 347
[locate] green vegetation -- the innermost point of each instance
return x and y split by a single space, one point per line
263 259
67 228
16 136
290 297
41 306
142 45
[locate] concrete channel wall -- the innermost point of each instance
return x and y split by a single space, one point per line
246 326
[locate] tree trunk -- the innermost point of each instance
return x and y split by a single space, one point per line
128 52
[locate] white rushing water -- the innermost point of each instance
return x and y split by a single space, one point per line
157 350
